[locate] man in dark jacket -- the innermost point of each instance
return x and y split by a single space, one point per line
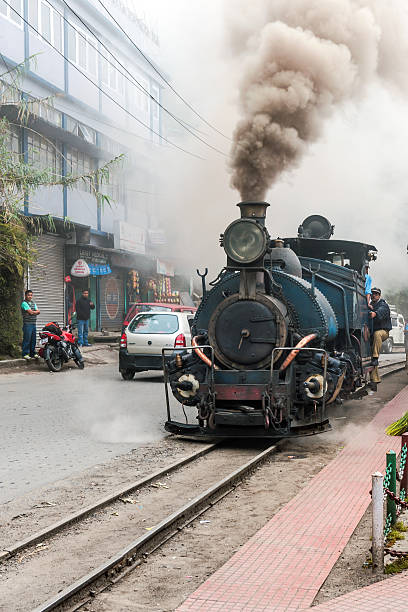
382 326
83 312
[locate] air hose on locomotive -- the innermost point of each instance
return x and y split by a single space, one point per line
305 340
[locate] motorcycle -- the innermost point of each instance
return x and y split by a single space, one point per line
58 346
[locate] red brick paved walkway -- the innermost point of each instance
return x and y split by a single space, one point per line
283 566
386 596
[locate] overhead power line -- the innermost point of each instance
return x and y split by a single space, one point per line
101 90
161 75
133 79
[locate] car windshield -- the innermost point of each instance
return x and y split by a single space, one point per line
394 322
154 324
150 308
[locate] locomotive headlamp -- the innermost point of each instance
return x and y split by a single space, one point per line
245 241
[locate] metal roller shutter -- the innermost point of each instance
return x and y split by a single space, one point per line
112 301
46 279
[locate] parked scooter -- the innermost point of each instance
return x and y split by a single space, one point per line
59 346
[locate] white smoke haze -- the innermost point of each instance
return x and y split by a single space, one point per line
105 419
301 60
354 172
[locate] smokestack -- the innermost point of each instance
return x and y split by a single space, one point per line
253 210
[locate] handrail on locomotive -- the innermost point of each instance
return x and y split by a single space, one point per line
281 333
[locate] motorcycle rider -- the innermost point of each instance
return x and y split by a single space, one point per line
83 312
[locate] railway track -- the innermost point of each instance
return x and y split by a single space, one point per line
119 565
132 555
81 514
80 532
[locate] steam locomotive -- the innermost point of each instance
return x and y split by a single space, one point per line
282 333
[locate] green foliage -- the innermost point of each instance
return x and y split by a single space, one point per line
396 567
398 427
19 179
396 533
11 290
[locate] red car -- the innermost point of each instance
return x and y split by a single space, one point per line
137 307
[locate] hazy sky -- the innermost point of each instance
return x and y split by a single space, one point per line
355 175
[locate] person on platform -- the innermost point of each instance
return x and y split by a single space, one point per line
83 312
29 312
382 326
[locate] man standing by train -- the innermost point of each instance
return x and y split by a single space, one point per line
382 326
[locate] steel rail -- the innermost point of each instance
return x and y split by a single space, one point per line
130 557
12 550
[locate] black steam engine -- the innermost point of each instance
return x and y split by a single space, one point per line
282 334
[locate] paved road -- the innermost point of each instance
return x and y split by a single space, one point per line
53 425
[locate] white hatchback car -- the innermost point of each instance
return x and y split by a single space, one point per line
396 337
147 334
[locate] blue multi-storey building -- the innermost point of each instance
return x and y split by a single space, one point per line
102 94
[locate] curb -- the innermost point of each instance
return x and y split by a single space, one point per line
16 363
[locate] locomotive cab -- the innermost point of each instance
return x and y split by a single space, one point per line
277 338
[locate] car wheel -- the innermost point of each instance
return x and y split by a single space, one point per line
388 345
128 374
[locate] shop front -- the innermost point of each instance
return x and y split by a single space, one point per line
46 278
86 268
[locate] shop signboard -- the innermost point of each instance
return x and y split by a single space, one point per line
128 237
157 237
80 268
94 256
165 267
112 298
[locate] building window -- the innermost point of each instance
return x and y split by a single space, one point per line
9 94
43 153
7 11
79 164
155 107
139 97
115 189
47 21
111 73
79 129
82 49
46 112
13 143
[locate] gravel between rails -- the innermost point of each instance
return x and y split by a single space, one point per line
122 492
106 531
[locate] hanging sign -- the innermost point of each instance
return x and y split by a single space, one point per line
80 268
164 267
129 237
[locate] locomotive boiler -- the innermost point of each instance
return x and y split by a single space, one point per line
281 334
